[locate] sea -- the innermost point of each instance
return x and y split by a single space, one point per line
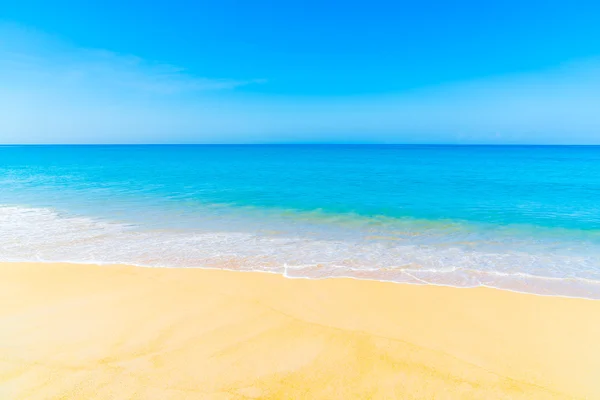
521 218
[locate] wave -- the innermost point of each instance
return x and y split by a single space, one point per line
46 235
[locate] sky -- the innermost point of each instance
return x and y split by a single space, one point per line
463 72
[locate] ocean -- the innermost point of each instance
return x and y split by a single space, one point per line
523 218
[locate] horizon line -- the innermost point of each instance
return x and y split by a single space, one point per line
304 144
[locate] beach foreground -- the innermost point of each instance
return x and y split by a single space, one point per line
121 332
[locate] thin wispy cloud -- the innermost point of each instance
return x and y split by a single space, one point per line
135 73
28 55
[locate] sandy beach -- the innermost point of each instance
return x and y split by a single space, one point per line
120 332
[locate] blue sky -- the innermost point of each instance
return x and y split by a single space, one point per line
311 71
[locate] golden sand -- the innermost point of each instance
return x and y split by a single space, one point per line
119 332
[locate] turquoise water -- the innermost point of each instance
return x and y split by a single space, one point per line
524 218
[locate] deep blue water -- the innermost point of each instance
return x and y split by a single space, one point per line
520 217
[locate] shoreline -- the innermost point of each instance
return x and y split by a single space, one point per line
36 233
222 334
286 276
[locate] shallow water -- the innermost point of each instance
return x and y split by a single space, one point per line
523 218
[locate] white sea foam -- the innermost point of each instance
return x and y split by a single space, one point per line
40 234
